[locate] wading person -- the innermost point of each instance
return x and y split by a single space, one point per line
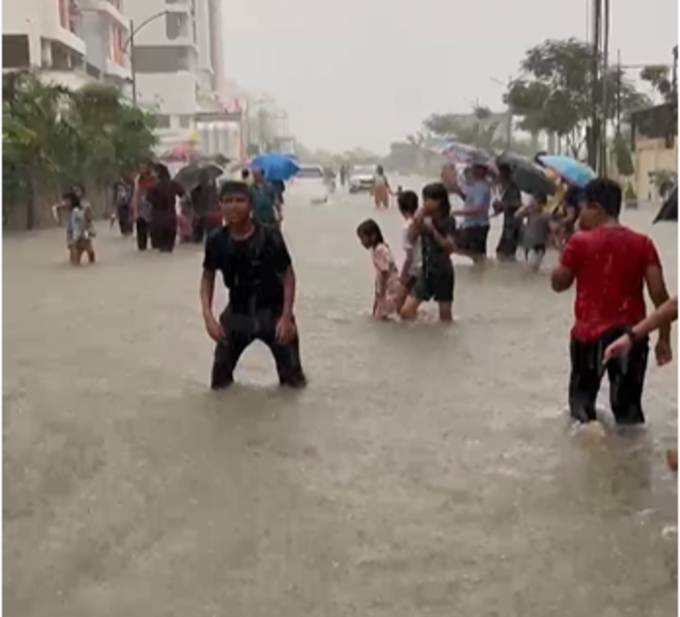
122 200
610 265
163 197
381 189
435 228
472 238
257 270
509 202
141 207
265 201
78 238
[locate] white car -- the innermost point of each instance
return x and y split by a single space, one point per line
361 178
308 185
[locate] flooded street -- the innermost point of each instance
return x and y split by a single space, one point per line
424 472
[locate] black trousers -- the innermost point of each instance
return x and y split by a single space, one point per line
240 332
626 379
124 216
143 229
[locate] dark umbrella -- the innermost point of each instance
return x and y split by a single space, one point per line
527 175
669 209
193 174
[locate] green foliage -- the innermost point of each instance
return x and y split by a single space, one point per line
659 77
664 180
623 158
479 131
53 137
554 91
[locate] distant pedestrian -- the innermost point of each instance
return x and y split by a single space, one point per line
610 265
472 238
381 189
78 239
163 197
122 202
265 200
535 230
386 287
141 208
509 202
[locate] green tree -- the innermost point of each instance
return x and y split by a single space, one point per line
53 137
478 130
659 77
554 91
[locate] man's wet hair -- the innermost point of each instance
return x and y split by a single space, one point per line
234 187
408 202
606 193
72 199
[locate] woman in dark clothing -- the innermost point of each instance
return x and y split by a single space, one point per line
122 200
163 199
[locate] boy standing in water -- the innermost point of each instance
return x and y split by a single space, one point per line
258 272
610 265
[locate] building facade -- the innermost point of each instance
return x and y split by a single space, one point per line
67 42
179 72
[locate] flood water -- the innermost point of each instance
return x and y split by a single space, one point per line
425 471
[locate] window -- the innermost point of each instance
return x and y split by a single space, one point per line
162 121
161 59
176 26
15 54
185 122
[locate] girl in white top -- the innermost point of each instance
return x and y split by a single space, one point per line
413 258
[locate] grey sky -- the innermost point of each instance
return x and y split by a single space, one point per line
366 72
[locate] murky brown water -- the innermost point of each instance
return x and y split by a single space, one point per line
425 471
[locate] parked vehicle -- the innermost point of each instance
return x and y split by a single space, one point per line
361 179
308 184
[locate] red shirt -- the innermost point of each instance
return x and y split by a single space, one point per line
609 265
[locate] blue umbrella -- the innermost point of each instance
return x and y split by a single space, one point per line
570 169
276 167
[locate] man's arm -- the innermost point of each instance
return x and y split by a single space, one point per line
283 265
479 207
666 314
656 286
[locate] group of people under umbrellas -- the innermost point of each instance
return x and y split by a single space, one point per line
147 204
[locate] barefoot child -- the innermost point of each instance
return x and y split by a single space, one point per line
435 228
78 240
386 275
408 206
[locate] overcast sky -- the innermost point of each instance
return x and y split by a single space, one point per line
366 72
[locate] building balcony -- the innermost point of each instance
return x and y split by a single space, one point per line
104 8
117 72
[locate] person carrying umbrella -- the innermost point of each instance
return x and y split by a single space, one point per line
265 200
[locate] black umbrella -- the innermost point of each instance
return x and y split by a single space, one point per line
193 174
527 175
669 209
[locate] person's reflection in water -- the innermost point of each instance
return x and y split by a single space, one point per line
257 270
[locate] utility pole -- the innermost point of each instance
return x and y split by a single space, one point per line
604 150
131 56
594 138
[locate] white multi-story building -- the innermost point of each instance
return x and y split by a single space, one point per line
68 42
178 63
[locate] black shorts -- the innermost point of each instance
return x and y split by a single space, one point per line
539 249
473 239
626 379
509 241
437 285
240 331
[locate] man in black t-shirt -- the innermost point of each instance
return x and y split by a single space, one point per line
257 270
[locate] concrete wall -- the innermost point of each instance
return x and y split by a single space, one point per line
652 155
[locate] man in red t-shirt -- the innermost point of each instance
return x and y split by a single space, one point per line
611 265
